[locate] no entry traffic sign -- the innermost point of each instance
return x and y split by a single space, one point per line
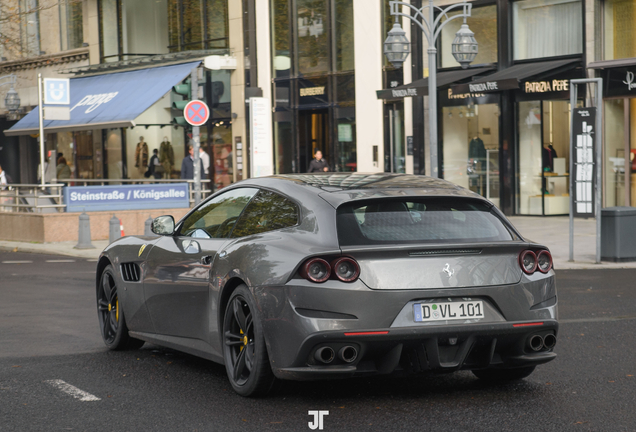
196 112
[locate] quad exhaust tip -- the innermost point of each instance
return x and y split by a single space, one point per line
535 343
348 354
549 341
325 354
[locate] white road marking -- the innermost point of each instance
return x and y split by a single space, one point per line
60 261
17 262
73 391
91 260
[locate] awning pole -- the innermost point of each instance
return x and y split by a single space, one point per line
42 179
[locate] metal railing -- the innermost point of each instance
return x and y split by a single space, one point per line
32 198
35 198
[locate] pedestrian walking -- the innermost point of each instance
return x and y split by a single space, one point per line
187 166
318 164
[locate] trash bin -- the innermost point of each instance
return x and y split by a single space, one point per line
618 234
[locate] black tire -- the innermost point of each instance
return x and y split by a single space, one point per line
244 350
112 323
504 375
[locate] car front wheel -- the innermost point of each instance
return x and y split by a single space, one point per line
111 315
244 350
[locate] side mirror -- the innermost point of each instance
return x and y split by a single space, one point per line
163 225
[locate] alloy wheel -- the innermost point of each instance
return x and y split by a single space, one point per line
108 308
239 338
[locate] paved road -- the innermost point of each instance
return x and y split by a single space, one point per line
49 332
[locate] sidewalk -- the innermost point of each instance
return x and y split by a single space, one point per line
552 232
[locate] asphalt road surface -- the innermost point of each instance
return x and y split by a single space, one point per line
56 375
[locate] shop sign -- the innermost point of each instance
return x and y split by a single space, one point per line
312 91
619 82
487 86
452 95
583 153
404 92
546 86
261 155
126 197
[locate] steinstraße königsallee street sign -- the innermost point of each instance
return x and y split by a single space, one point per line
196 113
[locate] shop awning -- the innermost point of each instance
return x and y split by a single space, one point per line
420 87
509 78
109 101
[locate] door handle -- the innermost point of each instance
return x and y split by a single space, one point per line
206 260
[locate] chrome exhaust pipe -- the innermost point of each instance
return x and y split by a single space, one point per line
325 354
549 341
535 343
348 354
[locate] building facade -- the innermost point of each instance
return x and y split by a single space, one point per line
504 123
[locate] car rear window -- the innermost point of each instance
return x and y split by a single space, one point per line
432 220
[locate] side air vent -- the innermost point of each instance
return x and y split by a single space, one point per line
446 252
131 272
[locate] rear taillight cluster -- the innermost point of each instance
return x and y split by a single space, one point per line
318 270
531 261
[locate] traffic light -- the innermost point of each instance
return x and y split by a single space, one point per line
183 89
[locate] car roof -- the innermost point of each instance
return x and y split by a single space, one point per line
337 188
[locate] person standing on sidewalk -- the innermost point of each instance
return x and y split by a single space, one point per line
187 166
318 164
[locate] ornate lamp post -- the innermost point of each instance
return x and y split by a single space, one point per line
12 99
465 49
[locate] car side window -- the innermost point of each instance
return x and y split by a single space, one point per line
216 218
268 211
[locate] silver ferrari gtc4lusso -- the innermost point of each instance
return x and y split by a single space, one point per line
303 277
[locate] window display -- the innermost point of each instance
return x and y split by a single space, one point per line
471 148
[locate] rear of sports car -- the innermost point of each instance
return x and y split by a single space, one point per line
421 284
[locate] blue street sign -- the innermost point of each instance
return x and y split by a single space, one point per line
57 91
126 197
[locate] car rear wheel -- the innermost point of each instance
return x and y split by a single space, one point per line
502 375
111 315
244 350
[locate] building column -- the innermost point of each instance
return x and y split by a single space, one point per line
368 39
237 83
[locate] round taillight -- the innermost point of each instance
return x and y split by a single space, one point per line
528 261
544 261
346 269
316 270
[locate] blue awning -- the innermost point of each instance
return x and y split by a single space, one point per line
109 101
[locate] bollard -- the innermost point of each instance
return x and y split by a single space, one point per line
148 227
84 235
114 232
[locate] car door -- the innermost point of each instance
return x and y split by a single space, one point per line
176 286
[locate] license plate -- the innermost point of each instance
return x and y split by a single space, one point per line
425 312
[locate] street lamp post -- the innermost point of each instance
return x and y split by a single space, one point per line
397 48
12 99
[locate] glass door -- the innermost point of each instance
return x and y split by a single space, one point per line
313 136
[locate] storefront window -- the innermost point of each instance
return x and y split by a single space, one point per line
313 41
483 22
619 30
620 191
84 154
543 157
283 140
547 28
471 148
113 154
66 149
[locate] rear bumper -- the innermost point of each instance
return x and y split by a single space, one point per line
422 349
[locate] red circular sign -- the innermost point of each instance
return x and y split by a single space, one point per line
196 113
